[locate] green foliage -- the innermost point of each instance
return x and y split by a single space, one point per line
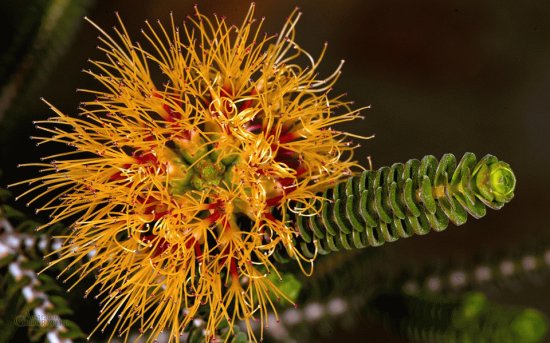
513 268
466 318
395 202
72 330
195 333
398 202
28 299
288 284
38 33
357 276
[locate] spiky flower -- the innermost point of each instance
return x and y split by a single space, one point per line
182 185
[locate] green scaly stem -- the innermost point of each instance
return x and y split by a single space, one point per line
410 198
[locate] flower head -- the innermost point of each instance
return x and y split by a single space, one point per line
180 190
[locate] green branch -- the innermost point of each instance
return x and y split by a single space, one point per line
407 199
466 318
29 299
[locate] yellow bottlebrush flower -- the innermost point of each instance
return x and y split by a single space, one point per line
180 185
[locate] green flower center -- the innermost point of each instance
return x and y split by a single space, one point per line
207 173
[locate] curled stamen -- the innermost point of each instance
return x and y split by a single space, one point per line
185 192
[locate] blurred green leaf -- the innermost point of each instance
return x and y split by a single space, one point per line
36 33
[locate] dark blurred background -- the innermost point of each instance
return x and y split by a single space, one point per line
441 76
